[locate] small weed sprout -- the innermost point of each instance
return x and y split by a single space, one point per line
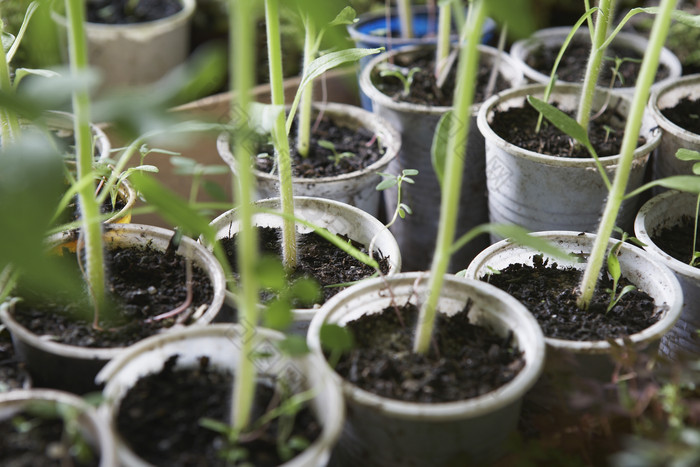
405 75
615 273
336 157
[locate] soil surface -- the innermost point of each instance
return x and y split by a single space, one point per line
424 89
517 126
159 418
464 361
685 114
122 11
677 240
317 259
366 149
42 445
12 372
144 283
549 293
572 66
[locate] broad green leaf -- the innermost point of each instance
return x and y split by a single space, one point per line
614 265
321 65
688 183
520 16
346 16
336 338
23 28
438 149
22 73
560 120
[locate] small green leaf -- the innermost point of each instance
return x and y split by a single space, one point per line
346 16
409 172
294 346
336 338
270 273
386 184
306 290
326 144
277 315
687 155
614 265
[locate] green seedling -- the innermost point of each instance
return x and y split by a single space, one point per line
390 181
616 273
336 157
402 74
693 156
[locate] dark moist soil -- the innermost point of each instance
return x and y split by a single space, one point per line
572 66
35 447
517 126
159 418
424 89
12 372
464 360
677 240
549 293
685 114
120 11
144 282
362 142
317 259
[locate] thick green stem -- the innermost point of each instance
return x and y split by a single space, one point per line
242 64
304 123
629 144
9 124
89 209
606 9
405 17
284 160
443 38
451 186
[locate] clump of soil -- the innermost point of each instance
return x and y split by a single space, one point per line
465 360
317 258
128 11
572 66
677 240
685 114
517 126
361 142
549 292
45 444
159 418
143 283
424 89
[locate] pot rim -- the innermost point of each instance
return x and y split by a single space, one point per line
169 22
513 313
653 138
375 123
653 332
507 64
685 82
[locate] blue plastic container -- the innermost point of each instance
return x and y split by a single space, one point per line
370 32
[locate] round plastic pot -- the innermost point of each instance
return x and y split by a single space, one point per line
522 49
661 212
92 428
542 192
221 344
338 218
356 188
674 137
385 432
593 358
137 53
73 368
416 233
370 32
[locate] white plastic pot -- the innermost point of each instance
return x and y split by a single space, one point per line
138 53
660 212
386 432
93 429
220 343
356 188
555 36
73 368
336 217
541 192
416 233
674 137
593 358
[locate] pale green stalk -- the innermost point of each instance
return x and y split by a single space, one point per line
451 186
304 122
240 23
284 162
443 38
606 10
405 17
89 209
629 144
9 124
